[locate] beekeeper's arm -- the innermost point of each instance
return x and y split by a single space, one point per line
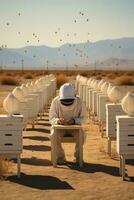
81 119
53 113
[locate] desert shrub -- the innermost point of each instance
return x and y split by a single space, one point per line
8 74
8 80
111 75
98 77
84 73
129 73
124 80
28 76
61 79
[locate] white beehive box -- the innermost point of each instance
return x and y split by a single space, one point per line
24 112
48 97
112 110
90 98
11 138
87 96
98 94
52 83
84 93
103 100
81 90
30 108
11 133
125 135
36 101
94 100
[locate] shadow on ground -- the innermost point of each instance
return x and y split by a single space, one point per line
41 182
44 124
42 130
36 161
93 168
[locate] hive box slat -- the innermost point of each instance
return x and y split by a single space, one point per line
11 139
125 140
10 126
10 133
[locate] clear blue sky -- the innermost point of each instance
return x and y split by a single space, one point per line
108 19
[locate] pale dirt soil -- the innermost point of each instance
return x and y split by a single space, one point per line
98 179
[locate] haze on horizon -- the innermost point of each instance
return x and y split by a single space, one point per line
56 22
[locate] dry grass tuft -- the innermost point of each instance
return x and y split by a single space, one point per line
124 80
61 79
8 80
28 76
129 73
4 167
98 77
111 75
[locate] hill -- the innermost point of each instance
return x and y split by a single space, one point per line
82 54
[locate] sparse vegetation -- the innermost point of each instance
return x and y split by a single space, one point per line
28 76
124 80
8 80
61 79
10 77
111 75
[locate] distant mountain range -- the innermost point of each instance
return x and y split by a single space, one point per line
105 53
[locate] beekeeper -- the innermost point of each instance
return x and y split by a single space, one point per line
66 109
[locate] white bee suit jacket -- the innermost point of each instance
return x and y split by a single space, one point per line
76 111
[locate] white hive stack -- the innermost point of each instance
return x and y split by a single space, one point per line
18 93
43 89
38 90
90 100
99 93
31 106
125 132
53 82
77 83
35 96
103 100
82 88
11 146
125 140
87 93
90 90
94 99
34 90
112 110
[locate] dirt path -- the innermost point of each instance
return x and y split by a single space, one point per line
98 179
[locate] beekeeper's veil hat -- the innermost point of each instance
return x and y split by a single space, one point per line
67 91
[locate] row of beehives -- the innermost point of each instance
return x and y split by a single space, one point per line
113 109
23 105
30 99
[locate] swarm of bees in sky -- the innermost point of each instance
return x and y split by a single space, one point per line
80 53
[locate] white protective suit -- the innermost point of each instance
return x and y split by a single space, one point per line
76 111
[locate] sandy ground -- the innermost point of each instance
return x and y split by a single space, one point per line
98 179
